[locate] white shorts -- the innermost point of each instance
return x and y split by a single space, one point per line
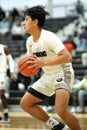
3 81
47 84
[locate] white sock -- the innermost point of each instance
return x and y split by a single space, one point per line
5 110
51 122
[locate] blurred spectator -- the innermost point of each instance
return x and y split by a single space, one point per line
17 30
83 35
84 58
14 14
79 92
2 14
69 44
77 30
22 14
82 44
79 8
4 27
75 37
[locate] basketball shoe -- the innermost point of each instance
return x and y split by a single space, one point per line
60 126
6 118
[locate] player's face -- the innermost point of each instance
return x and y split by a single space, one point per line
29 24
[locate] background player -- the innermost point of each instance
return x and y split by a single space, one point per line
5 60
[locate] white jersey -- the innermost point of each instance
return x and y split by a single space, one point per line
3 60
47 47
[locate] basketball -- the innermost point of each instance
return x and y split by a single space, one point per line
24 67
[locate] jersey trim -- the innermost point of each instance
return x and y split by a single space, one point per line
37 94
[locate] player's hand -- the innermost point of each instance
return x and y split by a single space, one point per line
36 62
13 77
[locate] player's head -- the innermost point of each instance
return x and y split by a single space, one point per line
37 12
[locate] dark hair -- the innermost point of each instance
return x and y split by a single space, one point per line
38 12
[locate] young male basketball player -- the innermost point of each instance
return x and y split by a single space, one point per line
5 60
58 75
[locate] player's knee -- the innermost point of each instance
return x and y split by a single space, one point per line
24 104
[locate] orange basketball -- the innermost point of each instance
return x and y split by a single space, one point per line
23 66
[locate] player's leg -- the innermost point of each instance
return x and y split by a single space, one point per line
3 85
29 104
39 91
5 106
61 103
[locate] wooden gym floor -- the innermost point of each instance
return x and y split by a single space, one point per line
23 121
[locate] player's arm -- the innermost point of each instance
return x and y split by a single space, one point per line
10 62
62 57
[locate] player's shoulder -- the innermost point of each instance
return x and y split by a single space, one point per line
3 46
48 34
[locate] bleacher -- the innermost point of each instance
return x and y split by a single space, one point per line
79 70
15 96
16 47
77 65
55 24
